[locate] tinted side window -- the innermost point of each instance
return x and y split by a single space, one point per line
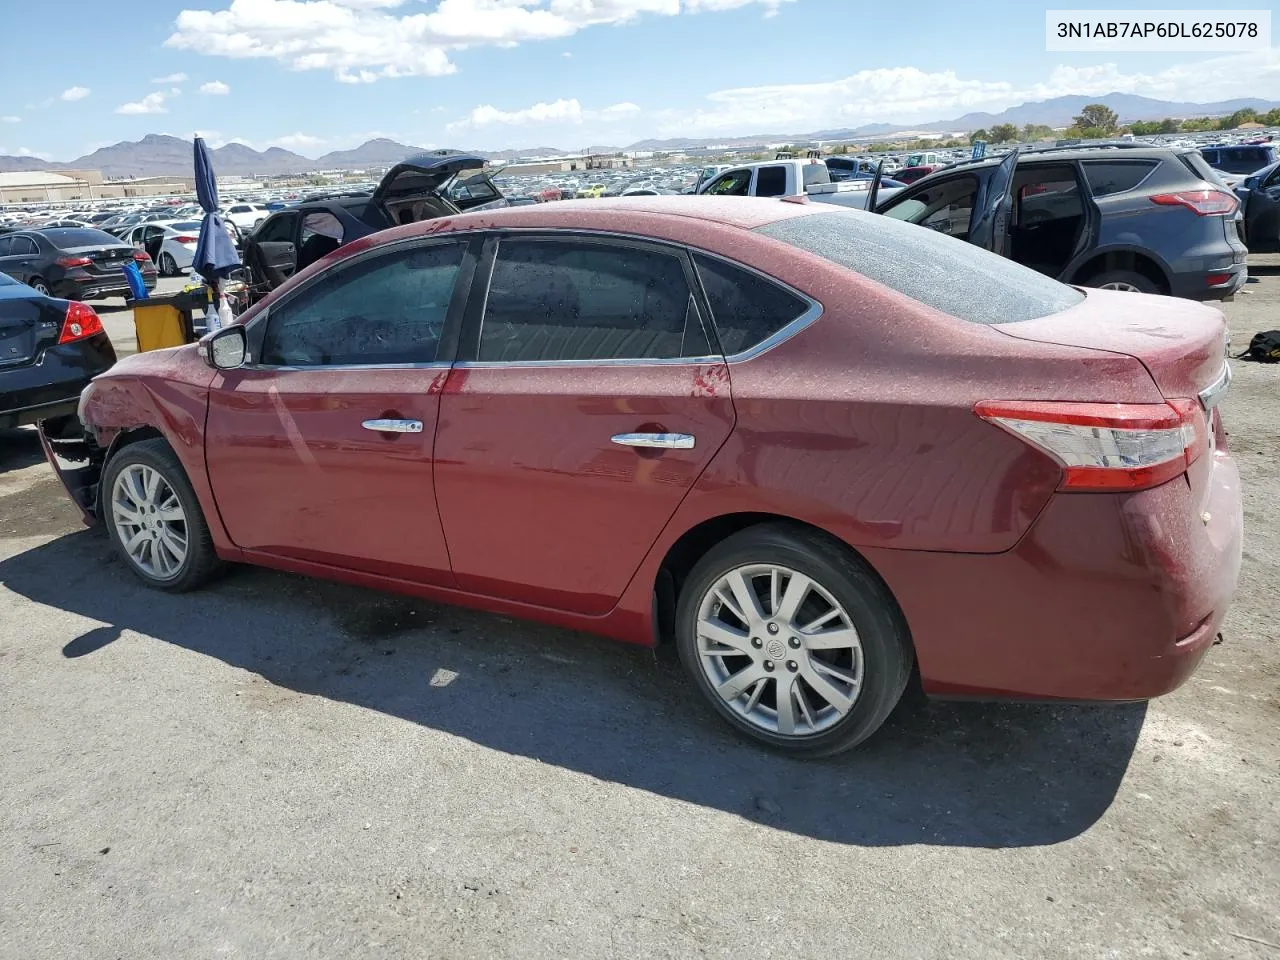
734 184
5 246
745 307
576 300
771 181
388 309
277 230
23 247
1106 177
1211 156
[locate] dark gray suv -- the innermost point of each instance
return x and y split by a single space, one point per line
1123 216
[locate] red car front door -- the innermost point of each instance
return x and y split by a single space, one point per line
591 404
320 448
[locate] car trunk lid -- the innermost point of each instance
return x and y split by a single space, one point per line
28 323
428 175
103 261
1182 345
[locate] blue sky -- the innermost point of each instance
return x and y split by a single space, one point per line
317 75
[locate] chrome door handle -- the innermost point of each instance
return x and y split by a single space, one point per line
393 426
658 441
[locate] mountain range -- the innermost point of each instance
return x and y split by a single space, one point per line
158 154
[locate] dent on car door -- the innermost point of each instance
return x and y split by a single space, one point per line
320 450
588 404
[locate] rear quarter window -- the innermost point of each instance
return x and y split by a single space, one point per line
1106 177
746 309
939 271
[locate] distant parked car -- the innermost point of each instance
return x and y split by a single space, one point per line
1259 196
246 216
819 451
906 175
71 262
1137 218
171 245
1241 158
421 188
49 351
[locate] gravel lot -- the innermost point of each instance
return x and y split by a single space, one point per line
279 767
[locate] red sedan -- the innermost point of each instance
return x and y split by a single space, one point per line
819 449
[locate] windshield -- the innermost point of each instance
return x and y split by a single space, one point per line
949 275
186 225
916 160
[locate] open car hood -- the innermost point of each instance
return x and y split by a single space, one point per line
423 175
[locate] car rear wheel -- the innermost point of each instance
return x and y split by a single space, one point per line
793 640
154 520
168 266
39 286
1126 280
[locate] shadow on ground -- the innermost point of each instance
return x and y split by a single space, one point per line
19 448
960 774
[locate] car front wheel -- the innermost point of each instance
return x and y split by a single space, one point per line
793 640
154 519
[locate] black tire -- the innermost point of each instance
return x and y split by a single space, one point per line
886 647
1141 283
201 563
168 266
39 286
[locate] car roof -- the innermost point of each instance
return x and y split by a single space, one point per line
606 213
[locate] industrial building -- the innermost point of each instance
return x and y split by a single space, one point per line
46 186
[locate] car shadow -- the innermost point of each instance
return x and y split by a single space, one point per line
976 775
19 448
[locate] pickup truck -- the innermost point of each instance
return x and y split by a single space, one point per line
791 178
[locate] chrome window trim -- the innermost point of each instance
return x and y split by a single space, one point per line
549 234
380 249
811 313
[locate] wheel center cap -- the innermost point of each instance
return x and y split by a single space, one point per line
776 649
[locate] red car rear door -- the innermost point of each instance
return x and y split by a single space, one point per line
320 448
587 403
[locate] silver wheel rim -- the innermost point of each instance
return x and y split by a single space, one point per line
168 265
779 650
149 521
1120 285
39 287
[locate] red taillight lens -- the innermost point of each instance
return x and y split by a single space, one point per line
1204 203
142 256
1108 446
81 322
185 239
73 261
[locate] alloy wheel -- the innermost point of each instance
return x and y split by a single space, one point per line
39 287
149 521
1120 285
779 650
167 265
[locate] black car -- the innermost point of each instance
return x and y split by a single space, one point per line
1260 201
424 187
77 263
1117 216
49 350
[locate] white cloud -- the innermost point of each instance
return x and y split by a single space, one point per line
10 119
151 103
297 141
24 152
171 78
362 41
75 93
567 55
556 112
215 88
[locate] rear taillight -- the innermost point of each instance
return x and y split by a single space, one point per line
1108 446
185 239
73 261
81 322
1204 203
142 256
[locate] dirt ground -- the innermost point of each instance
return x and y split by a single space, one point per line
280 767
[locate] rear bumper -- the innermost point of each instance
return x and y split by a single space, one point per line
1198 285
96 288
51 386
1108 596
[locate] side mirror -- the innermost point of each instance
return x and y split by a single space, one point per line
225 349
